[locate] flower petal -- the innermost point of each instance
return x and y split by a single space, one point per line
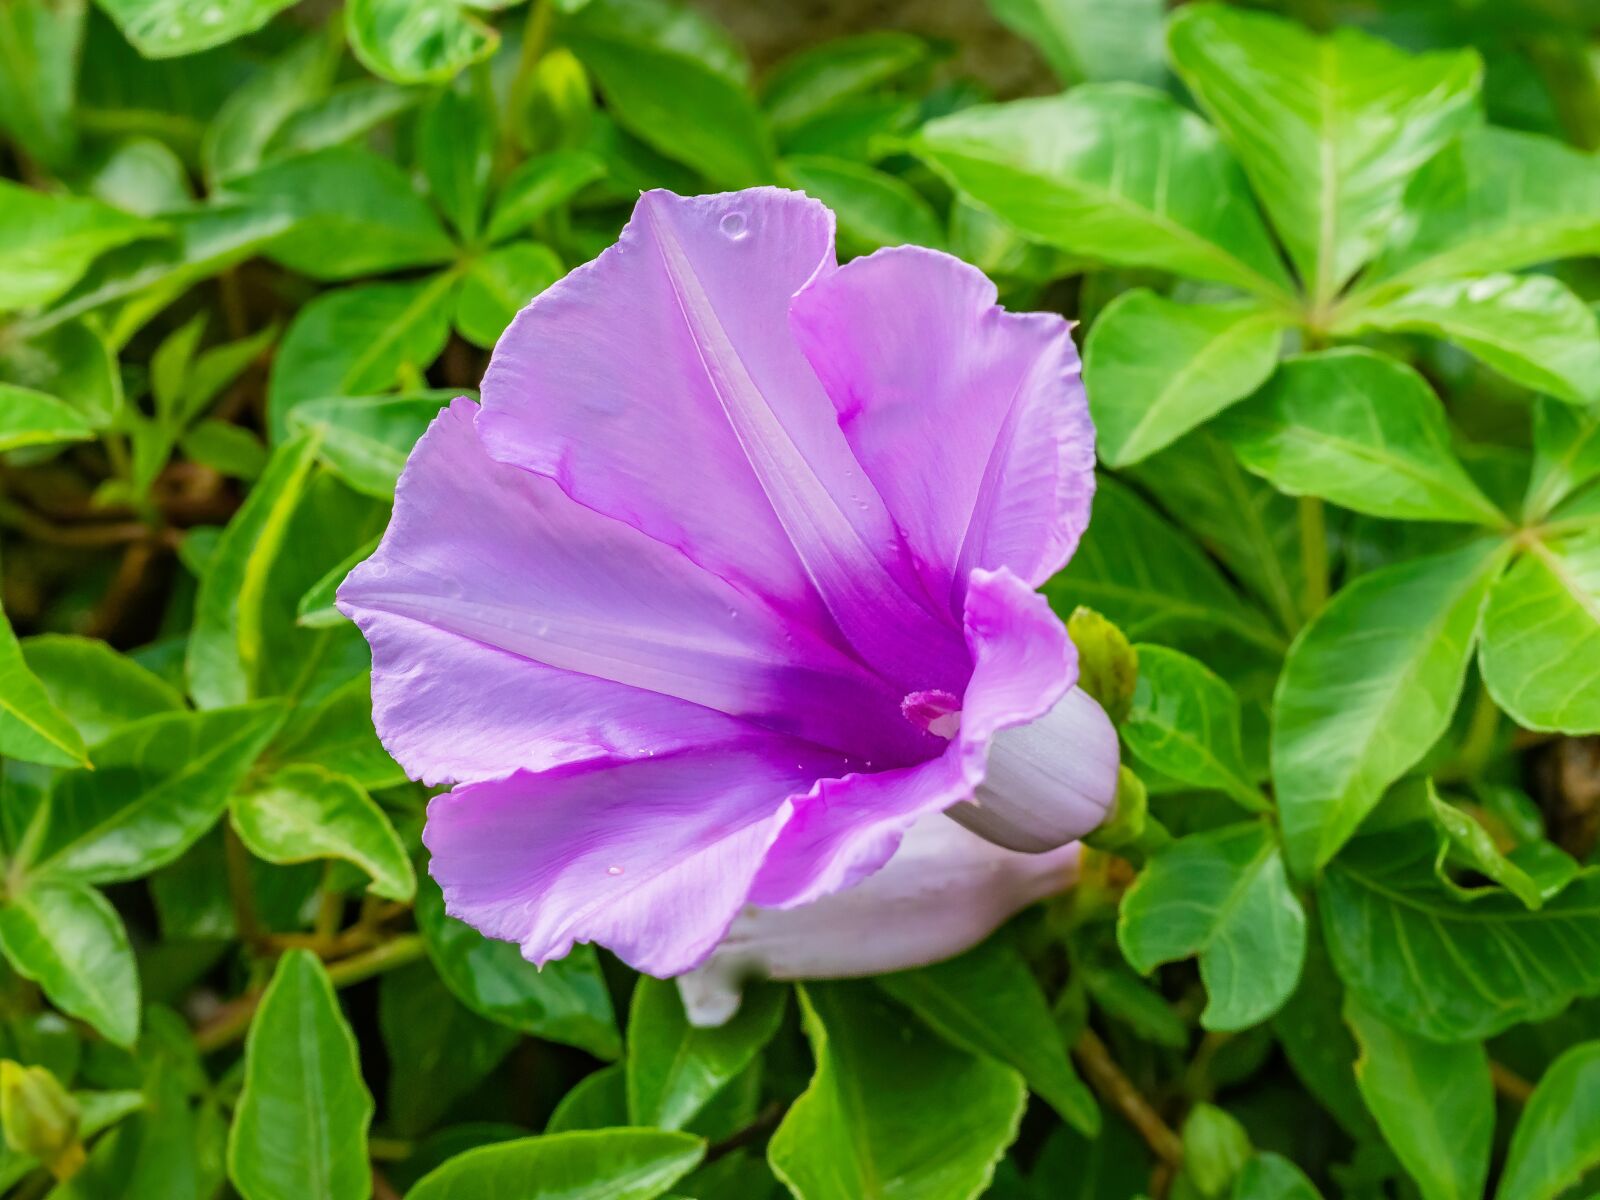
661 385
486 555
651 858
943 892
1049 752
971 421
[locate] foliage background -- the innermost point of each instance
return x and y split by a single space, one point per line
1343 936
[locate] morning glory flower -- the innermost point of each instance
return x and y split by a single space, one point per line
943 892
730 581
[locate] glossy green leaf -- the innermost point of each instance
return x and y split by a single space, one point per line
1424 961
600 1164
1554 1144
226 449
236 140
873 1125
1468 843
873 208
1566 454
337 733
682 101
157 785
1362 430
818 79
537 187
226 645
167 28
1150 579
1084 40
47 241
498 284
1222 895
1155 369
1114 172
30 418
1495 200
565 1001
347 113
41 41
1185 723
318 607
1273 1177
98 689
305 813
673 1068
32 727
1368 687
1541 636
300 1128
365 439
1434 1104
597 1101
69 940
455 149
418 41
1531 328
72 362
1329 129
988 1001
360 340
355 213
1215 1148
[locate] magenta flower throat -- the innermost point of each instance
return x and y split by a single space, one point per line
730 580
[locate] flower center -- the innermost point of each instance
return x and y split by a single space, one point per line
934 711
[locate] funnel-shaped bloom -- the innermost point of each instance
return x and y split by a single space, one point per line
730 580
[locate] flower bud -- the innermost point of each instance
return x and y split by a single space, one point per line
1108 666
40 1118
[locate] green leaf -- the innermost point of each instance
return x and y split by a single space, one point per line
1224 896
498 284
674 1068
236 139
365 439
359 340
874 208
300 1129
1185 723
167 28
1087 41
354 212
317 608
1541 636
1554 1145
1362 430
1495 200
1329 129
819 79
337 734
1424 961
417 41
455 149
41 41
305 813
72 361
226 644
987 1001
1215 1148
537 187
1246 523
32 728
1149 578
685 105
925 1122
1115 172
29 418
1469 843
1367 688
564 1001
1531 328
343 116
1566 455
439 1051
47 241
1434 1104
226 448
597 1101
157 785
600 1164
98 689
1155 369
69 940
1273 1177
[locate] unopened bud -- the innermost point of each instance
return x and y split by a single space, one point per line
1108 665
40 1118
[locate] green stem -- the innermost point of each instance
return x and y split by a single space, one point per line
535 40
1314 553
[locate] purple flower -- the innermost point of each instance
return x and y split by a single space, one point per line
730 580
942 892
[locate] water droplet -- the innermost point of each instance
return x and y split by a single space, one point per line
613 870
378 570
733 225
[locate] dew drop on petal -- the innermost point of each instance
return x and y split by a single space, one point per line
733 225
613 870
